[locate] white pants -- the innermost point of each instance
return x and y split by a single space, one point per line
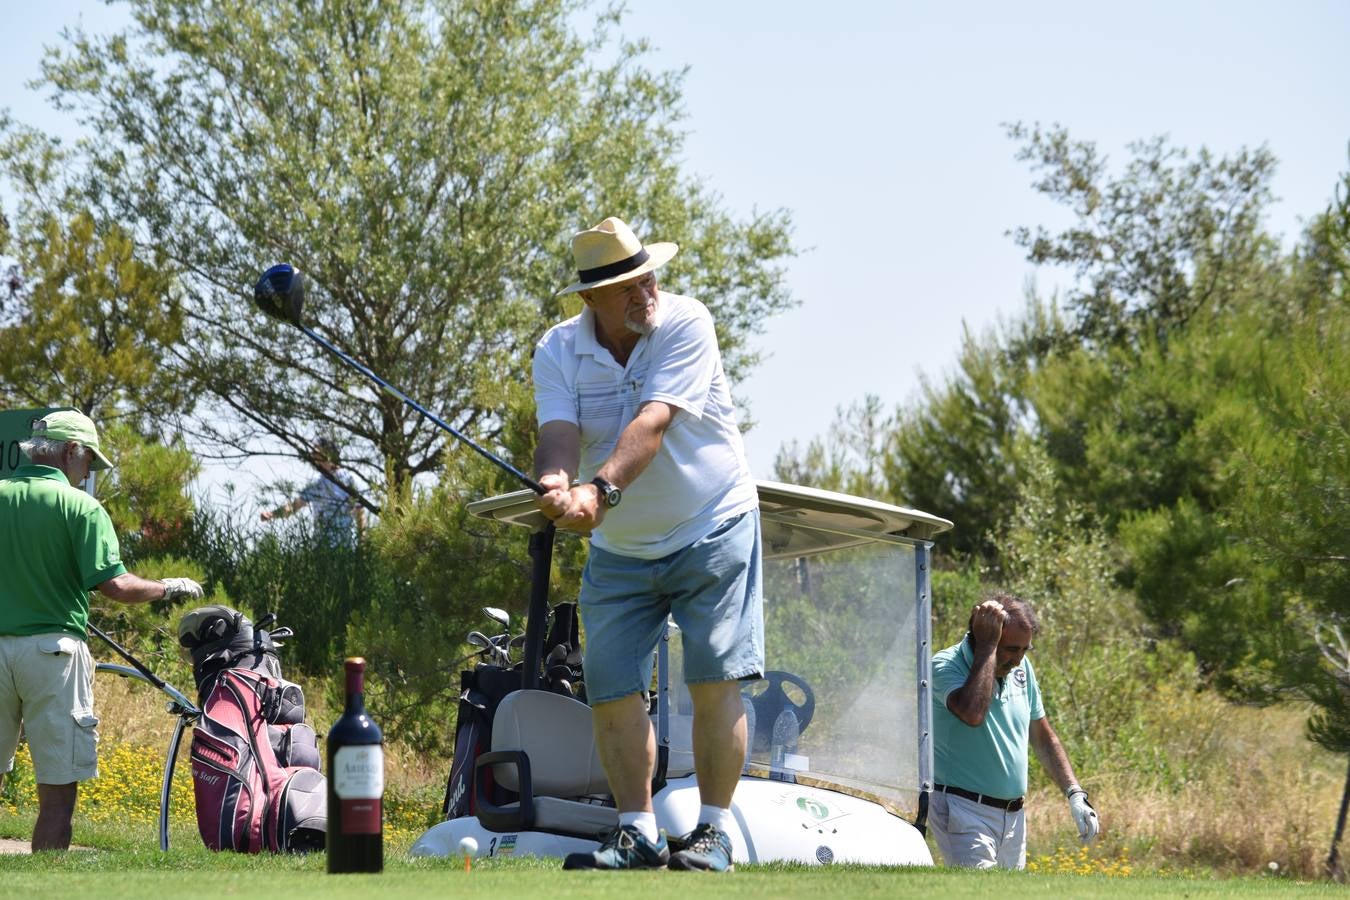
976 836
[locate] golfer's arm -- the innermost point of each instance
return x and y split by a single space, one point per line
639 444
970 701
129 588
290 507
559 450
1051 753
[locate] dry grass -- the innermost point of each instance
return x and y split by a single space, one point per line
1267 796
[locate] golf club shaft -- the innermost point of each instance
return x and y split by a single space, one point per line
486 454
122 652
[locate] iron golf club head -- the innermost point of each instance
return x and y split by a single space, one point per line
280 293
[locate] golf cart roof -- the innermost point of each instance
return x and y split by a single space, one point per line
797 521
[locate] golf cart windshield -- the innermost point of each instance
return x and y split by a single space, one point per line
844 703
845 611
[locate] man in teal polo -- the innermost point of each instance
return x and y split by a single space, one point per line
57 544
986 709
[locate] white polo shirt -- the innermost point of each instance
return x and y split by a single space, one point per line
700 476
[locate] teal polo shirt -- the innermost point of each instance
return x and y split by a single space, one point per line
990 759
56 545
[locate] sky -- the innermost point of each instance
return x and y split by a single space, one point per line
879 126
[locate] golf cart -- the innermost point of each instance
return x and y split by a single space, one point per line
839 767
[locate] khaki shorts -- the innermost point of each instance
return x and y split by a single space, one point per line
47 683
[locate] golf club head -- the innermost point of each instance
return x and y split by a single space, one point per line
497 615
280 293
478 639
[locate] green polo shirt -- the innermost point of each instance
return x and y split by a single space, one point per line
990 759
56 545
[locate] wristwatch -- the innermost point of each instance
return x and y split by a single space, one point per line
609 494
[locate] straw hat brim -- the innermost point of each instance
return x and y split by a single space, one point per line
658 254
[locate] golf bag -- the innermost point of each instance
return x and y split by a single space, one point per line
255 763
482 691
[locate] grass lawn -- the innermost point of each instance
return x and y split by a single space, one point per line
123 865
140 874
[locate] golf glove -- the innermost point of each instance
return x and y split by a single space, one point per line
178 588
1084 816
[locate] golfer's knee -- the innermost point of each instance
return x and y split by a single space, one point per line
717 698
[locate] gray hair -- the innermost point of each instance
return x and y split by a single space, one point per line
46 447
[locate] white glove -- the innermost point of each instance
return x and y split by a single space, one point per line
1084 816
178 588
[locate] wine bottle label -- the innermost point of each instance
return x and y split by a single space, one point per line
361 816
358 772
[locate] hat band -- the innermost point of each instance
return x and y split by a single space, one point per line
599 273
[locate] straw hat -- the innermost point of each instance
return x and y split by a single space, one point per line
610 252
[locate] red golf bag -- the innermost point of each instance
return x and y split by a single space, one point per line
255 763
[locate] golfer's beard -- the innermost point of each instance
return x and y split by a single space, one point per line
641 321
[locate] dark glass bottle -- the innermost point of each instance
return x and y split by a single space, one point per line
355 783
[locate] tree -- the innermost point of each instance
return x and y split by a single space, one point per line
955 452
1169 240
88 323
425 163
848 459
1170 237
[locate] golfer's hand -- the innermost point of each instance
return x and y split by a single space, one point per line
1084 816
585 512
178 588
556 499
987 624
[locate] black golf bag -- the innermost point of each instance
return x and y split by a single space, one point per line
482 691
255 763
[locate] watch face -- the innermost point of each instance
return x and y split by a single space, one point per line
608 492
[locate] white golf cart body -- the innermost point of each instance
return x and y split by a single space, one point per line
844 771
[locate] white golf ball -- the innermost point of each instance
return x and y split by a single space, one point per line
468 846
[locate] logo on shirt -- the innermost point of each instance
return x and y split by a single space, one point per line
1019 675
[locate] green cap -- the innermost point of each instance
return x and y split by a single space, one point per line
72 425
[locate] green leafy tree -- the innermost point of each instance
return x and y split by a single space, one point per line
1097 660
147 494
848 459
1169 240
424 163
1169 237
954 452
88 322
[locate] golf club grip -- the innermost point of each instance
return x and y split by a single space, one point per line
434 419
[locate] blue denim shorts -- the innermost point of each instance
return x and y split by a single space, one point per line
712 590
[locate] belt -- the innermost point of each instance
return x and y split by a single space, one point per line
999 803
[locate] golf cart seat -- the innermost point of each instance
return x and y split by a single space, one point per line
543 748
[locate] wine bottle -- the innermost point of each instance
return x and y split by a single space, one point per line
355 782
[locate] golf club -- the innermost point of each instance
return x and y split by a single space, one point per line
280 293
